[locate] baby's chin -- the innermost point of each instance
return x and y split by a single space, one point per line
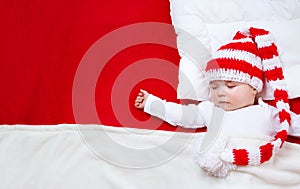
227 106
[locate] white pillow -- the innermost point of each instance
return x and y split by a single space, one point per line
202 26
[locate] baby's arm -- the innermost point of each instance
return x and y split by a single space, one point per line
188 116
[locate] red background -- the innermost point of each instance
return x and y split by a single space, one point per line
42 43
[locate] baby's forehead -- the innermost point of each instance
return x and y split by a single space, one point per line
223 82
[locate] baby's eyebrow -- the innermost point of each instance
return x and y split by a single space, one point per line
231 82
212 83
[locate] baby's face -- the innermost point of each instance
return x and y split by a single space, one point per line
230 95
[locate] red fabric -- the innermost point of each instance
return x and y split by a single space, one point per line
268 52
239 35
234 64
281 95
43 42
274 74
257 31
284 115
240 157
247 46
295 107
282 135
266 152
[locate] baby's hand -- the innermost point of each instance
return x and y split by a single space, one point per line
141 99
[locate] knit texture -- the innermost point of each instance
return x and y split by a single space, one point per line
252 57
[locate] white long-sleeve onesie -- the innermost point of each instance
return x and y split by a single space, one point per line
242 128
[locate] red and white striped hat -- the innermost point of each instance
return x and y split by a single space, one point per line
238 61
252 58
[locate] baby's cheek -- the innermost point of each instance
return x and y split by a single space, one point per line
213 97
244 98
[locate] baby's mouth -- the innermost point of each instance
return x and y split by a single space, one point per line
223 102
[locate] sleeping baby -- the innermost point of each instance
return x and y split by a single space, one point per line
242 130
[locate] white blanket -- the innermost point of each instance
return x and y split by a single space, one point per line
94 156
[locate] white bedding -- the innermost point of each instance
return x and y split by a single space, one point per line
95 156
204 25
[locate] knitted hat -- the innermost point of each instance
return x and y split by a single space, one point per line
252 58
238 61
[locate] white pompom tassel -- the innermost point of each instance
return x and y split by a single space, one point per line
213 163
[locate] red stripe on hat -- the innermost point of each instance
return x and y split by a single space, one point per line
275 101
246 46
266 152
282 135
240 157
233 64
274 74
257 31
239 35
268 52
284 115
280 94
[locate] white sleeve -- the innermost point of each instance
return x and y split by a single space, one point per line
188 116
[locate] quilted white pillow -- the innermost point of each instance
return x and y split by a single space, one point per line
202 26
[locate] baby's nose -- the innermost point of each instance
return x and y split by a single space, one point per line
221 91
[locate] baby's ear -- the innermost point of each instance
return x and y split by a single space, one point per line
254 91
